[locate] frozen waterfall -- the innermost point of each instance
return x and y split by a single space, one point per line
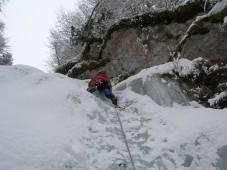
163 91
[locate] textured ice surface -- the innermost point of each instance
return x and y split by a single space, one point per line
163 91
50 122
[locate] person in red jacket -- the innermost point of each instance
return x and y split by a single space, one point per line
102 83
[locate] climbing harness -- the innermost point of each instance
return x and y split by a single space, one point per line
126 143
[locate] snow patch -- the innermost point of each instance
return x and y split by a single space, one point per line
217 98
225 21
49 121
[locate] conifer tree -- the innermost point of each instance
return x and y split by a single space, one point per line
5 55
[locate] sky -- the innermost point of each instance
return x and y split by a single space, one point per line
28 23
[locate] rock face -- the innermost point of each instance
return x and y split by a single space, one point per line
211 46
131 50
136 43
149 40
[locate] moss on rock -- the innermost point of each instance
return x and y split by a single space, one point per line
86 66
216 18
123 76
63 69
188 11
198 28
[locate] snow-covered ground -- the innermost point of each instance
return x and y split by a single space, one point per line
50 122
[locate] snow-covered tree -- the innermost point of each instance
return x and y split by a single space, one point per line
1 3
5 56
60 43
109 13
3 41
64 40
6 59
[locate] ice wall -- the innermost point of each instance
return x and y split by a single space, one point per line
163 91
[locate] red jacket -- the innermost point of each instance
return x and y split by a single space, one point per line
101 77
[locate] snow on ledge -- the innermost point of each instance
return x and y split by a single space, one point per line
217 98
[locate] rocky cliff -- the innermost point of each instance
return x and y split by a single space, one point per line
150 39
156 38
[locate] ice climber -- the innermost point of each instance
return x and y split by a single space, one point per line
102 83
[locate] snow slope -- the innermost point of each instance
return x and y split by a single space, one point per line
50 122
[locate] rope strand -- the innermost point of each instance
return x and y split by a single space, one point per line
126 143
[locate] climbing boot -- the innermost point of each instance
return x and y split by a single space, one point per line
114 100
